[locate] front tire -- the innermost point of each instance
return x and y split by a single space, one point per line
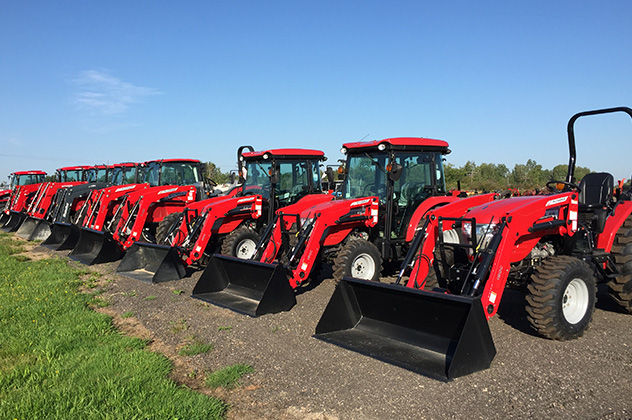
561 298
241 243
620 288
360 259
165 225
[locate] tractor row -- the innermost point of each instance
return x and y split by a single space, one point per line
262 241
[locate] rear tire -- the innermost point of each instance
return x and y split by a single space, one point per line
620 288
164 225
360 259
561 298
240 243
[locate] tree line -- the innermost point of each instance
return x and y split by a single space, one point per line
498 177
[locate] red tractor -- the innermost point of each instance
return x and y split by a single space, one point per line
84 202
388 187
229 224
557 247
66 204
174 183
22 186
41 203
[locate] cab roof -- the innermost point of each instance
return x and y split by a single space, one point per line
285 153
172 160
76 168
29 173
400 143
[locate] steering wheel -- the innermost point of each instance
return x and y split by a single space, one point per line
369 188
570 185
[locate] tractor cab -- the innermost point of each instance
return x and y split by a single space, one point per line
75 173
401 172
285 174
125 173
26 178
176 172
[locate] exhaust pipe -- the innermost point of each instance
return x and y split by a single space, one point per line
15 221
95 247
250 287
63 236
437 335
151 263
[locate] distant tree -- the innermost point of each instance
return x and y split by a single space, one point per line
559 173
215 174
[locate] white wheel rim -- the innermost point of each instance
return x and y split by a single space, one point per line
575 301
246 248
363 267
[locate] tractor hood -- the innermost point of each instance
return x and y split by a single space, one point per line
528 208
337 209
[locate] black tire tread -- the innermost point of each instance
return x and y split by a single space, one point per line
620 288
164 225
542 297
232 239
346 254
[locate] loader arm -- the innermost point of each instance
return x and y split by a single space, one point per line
334 221
147 208
221 218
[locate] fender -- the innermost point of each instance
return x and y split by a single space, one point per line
622 211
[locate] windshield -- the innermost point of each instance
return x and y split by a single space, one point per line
257 178
26 179
152 174
180 173
296 178
365 176
124 175
71 176
102 175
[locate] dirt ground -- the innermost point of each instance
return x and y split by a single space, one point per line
300 377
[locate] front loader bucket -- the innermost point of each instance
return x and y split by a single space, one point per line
151 263
438 335
250 287
95 247
14 222
62 236
4 218
33 229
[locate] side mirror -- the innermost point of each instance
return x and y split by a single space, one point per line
395 171
274 176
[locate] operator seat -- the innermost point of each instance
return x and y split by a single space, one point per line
595 196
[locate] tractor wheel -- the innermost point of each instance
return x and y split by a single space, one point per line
620 288
561 298
164 225
358 258
240 243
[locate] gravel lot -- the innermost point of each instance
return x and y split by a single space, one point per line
299 377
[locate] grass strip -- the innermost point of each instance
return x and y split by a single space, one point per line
61 360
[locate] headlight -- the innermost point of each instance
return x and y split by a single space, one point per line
484 232
306 221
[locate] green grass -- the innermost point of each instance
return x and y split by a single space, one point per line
227 377
61 360
196 347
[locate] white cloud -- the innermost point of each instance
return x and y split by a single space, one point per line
106 94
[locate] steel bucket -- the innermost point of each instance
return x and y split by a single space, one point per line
151 263
438 335
250 287
95 247
63 236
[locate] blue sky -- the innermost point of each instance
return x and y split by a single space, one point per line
85 82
